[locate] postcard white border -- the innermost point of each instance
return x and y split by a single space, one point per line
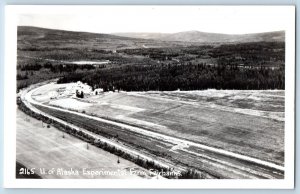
11 13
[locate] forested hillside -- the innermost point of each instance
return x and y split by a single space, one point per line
133 64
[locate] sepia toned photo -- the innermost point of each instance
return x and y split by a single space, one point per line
159 93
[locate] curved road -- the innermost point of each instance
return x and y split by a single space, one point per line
26 97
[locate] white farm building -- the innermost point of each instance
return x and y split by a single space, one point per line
79 87
98 91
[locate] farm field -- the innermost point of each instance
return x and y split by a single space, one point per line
42 147
225 121
219 119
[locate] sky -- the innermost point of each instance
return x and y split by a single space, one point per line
162 19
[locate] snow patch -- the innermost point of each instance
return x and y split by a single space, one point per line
70 103
179 146
140 122
123 107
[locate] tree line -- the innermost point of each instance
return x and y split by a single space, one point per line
168 77
58 67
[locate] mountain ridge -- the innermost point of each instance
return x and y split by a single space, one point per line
208 37
30 37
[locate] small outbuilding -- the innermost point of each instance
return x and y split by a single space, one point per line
98 91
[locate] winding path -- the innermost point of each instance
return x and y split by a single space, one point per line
29 101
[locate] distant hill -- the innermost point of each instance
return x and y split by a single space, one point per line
38 38
205 37
144 58
30 38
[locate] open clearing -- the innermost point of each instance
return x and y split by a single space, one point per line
246 122
70 103
42 147
185 116
232 128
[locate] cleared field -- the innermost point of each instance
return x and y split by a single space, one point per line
264 103
175 153
42 147
225 124
69 103
222 123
